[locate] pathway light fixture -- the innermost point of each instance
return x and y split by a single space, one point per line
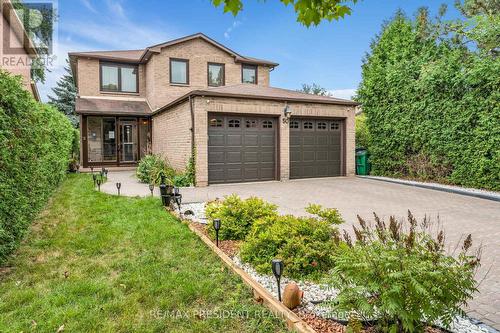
217 225
277 267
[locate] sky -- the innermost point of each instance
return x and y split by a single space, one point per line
330 54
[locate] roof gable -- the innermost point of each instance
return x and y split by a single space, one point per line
158 47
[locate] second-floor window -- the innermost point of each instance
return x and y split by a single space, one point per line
179 71
119 78
249 74
215 74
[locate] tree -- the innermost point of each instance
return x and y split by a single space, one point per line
482 25
308 11
314 89
65 96
432 104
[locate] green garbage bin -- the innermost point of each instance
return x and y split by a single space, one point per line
362 164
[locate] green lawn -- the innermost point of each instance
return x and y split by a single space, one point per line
99 263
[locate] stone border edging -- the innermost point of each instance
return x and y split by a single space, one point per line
261 295
436 188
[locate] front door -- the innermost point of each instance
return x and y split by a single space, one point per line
128 140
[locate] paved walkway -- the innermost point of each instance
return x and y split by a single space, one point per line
459 215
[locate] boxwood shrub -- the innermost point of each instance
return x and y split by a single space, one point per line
35 148
237 215
305 244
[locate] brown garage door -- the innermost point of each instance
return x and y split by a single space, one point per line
241 148
315 148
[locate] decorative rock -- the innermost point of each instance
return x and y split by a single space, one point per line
292 296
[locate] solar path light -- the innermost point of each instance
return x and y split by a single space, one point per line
277 266
217 225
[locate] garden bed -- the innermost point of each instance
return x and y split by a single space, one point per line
313 309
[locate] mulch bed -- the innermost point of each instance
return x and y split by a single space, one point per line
229 247
322 325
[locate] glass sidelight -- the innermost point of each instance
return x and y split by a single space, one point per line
128 140
101 139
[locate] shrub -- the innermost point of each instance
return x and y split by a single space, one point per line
151 167
188 177
401 275
305 244
237 215
35 148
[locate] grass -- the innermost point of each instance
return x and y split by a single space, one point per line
99 263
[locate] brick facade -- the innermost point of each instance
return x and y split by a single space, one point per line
172 135
154 76
178 150
89 82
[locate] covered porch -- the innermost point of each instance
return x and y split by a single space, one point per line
113 132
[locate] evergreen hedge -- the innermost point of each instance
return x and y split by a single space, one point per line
432 106
35 147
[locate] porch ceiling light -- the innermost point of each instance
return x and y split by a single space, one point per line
277 267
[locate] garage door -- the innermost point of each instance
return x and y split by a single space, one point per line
315 148
241 148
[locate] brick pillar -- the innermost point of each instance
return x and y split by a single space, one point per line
201 141
284 149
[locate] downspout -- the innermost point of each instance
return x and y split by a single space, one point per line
191 110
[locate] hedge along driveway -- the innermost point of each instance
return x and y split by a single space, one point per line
100 263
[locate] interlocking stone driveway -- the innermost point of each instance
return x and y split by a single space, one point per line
459 215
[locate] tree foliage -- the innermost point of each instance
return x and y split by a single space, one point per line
65 96
432 104
308 11
35 147
314 89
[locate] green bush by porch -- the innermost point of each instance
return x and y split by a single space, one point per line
35 147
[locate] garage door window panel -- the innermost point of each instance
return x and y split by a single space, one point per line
216 122
234 123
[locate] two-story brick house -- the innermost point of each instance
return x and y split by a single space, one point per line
195 96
